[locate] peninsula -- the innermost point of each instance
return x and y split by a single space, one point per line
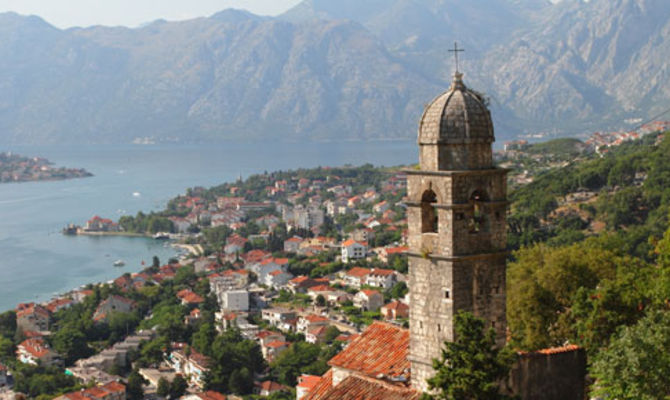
16 168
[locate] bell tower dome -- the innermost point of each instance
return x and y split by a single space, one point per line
456 131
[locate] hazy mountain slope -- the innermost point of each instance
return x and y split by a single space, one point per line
590 64
231 76
334 70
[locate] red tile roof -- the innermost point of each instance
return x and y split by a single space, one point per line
357 387
277 343
308 381
370 292
351 242
211 395
382 272
271 386
358 272
189 296
321 387
36 347
381 349
396 305
320 288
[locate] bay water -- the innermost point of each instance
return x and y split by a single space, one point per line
38 262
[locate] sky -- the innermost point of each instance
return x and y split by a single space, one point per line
132 13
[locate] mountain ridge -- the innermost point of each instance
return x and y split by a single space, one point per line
318 73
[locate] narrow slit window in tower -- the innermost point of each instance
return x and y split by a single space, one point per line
429 218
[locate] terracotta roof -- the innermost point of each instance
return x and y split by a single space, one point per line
321 387
271 386
320 288
381 349
358 272
351 242
553 350
308 381
315 318
189 296
396 250
36 347
211 395
277 343
277 272
54 305
370 292
264 334
396 305
356 387
382 272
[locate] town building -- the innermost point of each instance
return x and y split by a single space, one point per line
368 300
36 351
234 300
353 250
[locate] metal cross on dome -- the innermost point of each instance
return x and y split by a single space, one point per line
456 50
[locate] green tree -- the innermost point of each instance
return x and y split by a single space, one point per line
471 366
8 324
71 344
155 262
241 381
203 338
163 388
636 364
178 387
6 348
134 389
320 300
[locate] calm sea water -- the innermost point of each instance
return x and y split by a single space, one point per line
37 261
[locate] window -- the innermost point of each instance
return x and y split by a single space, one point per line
429 218
478 221
447 294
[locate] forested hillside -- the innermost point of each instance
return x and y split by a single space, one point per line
593 267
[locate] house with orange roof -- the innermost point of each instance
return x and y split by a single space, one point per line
32 317
382 278
316 335
277 279
56 305
113 303
353 250
381 207
97 224
291 245
189 298
268 265
310 321
79 296
194 365
36 351
356 277
109 391
267 388
368 300
273 349
395 310
387 253
277 316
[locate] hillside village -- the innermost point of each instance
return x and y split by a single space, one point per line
312 260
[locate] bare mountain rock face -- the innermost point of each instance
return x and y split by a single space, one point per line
334 70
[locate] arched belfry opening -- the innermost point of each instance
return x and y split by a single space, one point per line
429 218
479 221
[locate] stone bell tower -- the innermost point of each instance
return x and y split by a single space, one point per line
457 226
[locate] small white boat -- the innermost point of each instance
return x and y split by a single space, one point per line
137 194
119 263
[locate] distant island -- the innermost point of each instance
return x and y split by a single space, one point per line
16 168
